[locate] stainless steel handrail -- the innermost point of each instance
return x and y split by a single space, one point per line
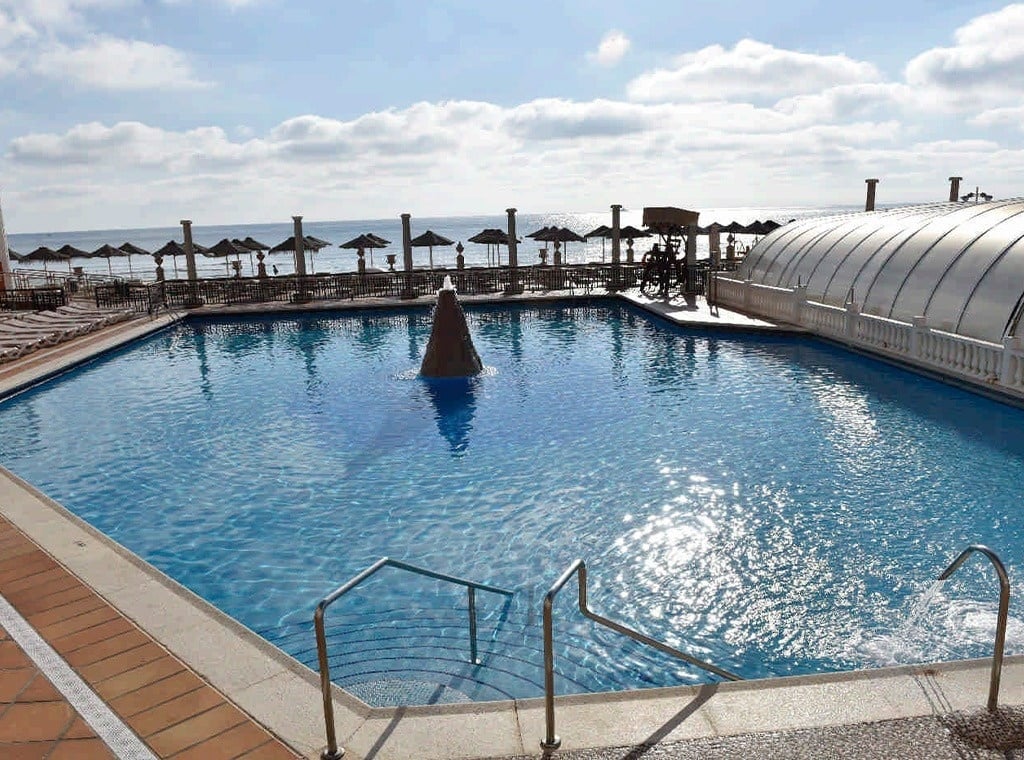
333 752
551 741
1004 609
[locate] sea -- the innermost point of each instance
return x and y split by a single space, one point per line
335 259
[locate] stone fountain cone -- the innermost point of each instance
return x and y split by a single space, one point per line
450 352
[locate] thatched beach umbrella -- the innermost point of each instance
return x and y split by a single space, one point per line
491 236
251 245
107 251
308 244
561 235
316 245
602 231
132 250
174 250
430 239
226 248
366 241
72 253
44 254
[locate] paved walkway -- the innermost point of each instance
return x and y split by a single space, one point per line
36 720
175 712
958 736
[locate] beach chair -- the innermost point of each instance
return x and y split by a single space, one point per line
108 317
10 351
45 336
16 347
78 325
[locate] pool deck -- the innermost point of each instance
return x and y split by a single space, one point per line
190 682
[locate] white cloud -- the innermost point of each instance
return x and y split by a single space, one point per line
751 69
14 29
850 101
612 49
986 66
57 15
116 64
1012 116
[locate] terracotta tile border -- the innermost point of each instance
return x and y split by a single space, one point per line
174 711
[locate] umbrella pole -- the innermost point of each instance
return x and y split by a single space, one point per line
110 269
431 250
174 260
130 272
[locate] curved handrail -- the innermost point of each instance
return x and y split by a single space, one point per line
1004 609
551 740
333 752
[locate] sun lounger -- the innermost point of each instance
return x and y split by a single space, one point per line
9 351
46 336
20 346
80 326
108 317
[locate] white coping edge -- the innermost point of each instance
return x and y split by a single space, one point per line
94 711
284 695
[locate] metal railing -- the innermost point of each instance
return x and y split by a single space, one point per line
32 299
333 752
1004 608
551 741
350 285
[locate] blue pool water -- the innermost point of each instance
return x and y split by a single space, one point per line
772 504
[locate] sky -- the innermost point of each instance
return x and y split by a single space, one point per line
138 113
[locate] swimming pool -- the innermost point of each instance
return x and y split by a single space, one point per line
771 504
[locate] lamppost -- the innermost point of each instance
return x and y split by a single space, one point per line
977 195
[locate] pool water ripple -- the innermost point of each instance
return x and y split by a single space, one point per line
771 504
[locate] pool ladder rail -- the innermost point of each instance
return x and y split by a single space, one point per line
333 752
551 740
1001 616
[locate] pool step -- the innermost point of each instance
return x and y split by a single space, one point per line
389 656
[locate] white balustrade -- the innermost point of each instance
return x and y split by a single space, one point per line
970 359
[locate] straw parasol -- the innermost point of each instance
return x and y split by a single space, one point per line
251 245
173 249
44 254
561 235
366 241
107 251
72 253
430 239
132 250
491 236
226 248
308 244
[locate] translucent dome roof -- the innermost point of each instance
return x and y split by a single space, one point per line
959 265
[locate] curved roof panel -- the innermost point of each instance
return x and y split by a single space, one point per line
959 265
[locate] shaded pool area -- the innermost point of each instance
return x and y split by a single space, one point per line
774 505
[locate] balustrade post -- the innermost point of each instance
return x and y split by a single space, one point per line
919 328
852 315
1011 355
799 300
748 294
